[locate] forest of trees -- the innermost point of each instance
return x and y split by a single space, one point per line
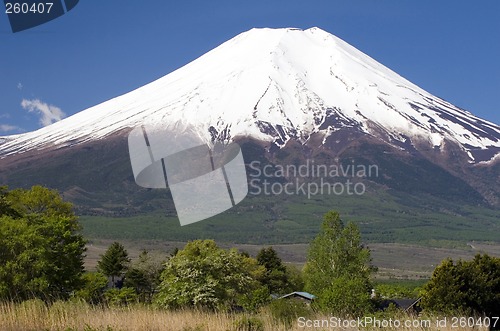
42 253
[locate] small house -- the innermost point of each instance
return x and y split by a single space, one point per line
407 305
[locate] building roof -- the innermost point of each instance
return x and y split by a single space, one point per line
305 295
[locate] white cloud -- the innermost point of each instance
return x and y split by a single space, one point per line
19 86
48 113
8 128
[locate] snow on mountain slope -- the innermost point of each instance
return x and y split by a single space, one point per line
276 85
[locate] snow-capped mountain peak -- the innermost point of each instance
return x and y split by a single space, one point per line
276 85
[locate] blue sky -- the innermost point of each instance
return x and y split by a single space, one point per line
102 49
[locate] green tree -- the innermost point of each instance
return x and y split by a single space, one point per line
39 200
471 287
206 276
93 287
41 251
278 278
338 267
144 276
295 279
114 262
6 204
275 276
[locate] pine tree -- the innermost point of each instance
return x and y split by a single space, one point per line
114 263
275 277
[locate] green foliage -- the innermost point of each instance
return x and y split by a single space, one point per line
41 251
144 276
338 267
287 311
5 203
275 276
398 289
94 285
347 295
39 200
206 276
281 220
247 323
471 287
114 262
295 279
268 258
120 297
255 299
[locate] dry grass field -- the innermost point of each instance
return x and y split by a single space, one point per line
73 316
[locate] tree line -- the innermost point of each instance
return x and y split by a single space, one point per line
42 252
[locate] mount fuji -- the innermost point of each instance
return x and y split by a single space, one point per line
275 85
285 95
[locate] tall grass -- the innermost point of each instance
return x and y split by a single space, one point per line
35 315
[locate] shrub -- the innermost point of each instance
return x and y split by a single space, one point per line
120 297
287 311
205 276
94 285
256 299
346 297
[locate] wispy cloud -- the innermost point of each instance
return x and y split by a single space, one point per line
8 128
20 86
48 113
